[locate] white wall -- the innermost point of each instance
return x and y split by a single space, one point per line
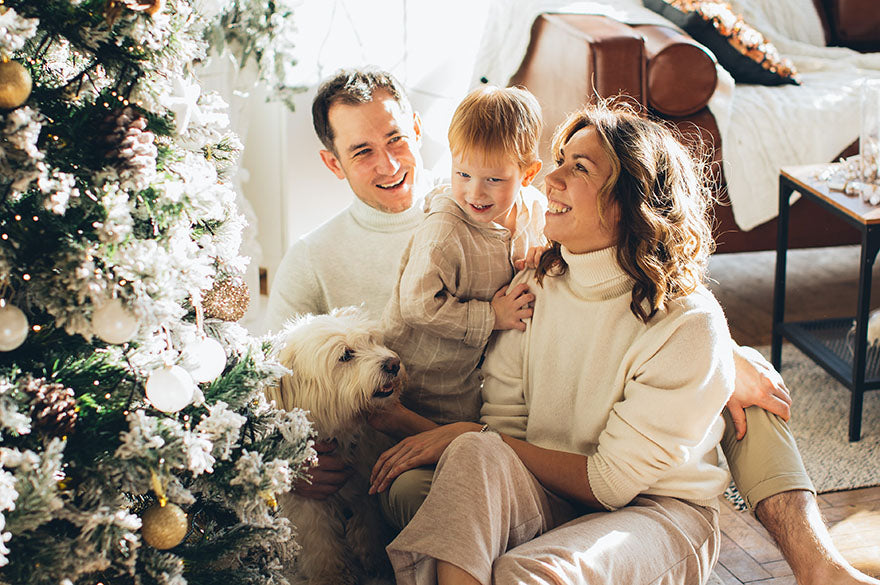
428 46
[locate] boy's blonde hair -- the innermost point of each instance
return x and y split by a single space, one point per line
497 122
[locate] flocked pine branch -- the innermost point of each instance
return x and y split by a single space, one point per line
135 443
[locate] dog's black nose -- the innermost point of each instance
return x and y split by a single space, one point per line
391 366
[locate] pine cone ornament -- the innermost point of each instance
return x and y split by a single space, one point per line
227 300
132 148
53 407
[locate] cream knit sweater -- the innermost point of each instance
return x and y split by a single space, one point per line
642 401
352 259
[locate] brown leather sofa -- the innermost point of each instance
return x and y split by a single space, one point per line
573 58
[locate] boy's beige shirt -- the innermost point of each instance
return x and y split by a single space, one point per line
439 317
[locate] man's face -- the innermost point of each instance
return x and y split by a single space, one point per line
377 151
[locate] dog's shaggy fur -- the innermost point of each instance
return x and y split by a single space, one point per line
340 373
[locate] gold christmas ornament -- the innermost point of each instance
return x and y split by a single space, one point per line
15 84
228 300
164 527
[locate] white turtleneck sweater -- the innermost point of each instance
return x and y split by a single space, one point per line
352 259
642 401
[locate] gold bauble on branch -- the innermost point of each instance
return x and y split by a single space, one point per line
164 527
15 84
227 300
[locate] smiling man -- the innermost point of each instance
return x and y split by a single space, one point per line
371 138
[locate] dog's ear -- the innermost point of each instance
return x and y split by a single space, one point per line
283 393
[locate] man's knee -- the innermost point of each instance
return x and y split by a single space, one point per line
766 461
405 496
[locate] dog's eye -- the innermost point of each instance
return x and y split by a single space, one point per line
347 355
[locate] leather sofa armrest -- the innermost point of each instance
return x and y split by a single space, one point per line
681 74
574 58
855 23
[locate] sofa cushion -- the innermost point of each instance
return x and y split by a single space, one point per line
680 73
739 48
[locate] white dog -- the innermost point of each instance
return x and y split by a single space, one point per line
341 373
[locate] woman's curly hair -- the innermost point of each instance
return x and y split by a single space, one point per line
661 192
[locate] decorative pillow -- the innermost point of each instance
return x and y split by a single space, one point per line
739 48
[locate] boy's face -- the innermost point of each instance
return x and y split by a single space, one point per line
486 187
377 151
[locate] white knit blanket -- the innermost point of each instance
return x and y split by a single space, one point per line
762 128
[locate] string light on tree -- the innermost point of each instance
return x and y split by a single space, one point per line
170 389
13 326
113 323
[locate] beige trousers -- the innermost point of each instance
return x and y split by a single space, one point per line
488 515
764 463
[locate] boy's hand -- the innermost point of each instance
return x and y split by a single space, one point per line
512 307
532 257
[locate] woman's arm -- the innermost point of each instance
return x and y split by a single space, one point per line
398 421
563 473
670 410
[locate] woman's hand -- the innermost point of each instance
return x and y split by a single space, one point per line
756 384
424 448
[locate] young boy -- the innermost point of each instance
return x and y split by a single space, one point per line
451 293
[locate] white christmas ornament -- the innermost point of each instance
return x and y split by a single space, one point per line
210 358
170 388
13 327
113 323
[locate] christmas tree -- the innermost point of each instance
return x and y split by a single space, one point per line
135 442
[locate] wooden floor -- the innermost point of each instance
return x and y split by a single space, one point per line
821 283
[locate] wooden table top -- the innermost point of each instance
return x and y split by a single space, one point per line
807 179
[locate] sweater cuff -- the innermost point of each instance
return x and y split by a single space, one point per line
611 494
480 321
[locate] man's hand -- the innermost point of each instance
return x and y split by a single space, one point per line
532 257
512 307
756 384
327 476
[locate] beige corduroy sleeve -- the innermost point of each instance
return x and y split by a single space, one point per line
427 302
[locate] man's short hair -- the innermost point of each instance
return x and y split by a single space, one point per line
497 123
352 86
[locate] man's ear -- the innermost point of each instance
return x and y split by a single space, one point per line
531 171
417 126
332 163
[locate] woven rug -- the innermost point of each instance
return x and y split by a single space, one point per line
820 422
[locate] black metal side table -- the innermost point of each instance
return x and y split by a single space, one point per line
830 342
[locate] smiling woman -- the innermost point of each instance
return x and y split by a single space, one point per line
630 427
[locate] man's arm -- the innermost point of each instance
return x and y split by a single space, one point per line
295 289
757 384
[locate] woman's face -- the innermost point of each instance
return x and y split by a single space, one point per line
573 196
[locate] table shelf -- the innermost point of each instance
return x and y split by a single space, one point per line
830 343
